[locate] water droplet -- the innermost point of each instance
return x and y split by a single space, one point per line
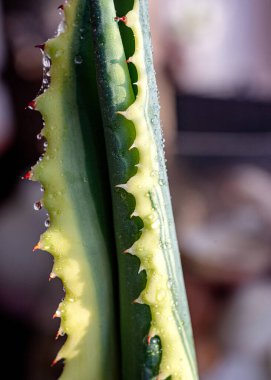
161 182
160 295
78 60
151 217
165 244
155 119
45 144
46 61
42 188
47 223
155 225
71 300
37 205
123 195
61 27
58 53
154 173
45 82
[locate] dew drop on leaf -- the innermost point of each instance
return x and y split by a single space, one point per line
37 205
160 295
78 60
47 223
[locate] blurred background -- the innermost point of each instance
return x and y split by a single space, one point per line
213 64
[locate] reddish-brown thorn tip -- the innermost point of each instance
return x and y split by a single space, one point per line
57 314
31 105
40 46
27 175
149 340
123 19
54 362
57 335
61 7
37 246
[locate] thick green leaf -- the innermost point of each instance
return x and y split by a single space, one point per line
74 175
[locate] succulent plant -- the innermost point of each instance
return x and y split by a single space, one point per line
110 228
